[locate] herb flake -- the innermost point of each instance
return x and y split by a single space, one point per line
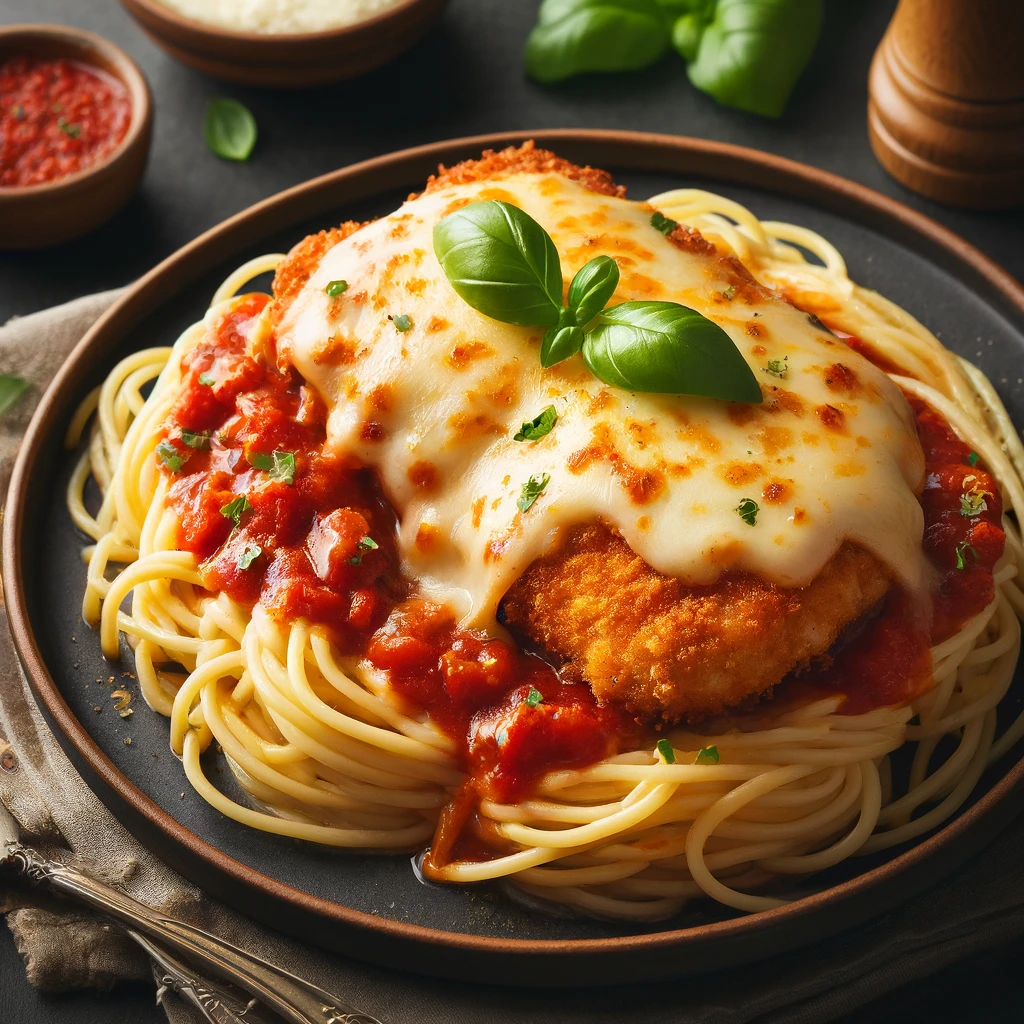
972 503
170 455
538 427
777 367
249 555
668 755
534 697
336 288
532 490
234 510
207 379
972 459
707 755
662 223
402 323
747 510
200 441
279 465
365 544
962 550
72 131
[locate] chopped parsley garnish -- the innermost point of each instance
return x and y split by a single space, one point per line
538 427
532 490
962 550
72 131
972 459
280 465
336 288
249 555
402 322
972 503
534 697
233 510
730 292
777 367
207 379
193 440
707 755
668 755
662 223
747 510
170 456
365 544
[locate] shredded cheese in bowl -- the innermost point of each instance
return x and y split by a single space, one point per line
280 17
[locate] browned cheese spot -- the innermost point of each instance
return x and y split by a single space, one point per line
739 474
642 434
436 323
840 378
423 475
758 350
831 418
478 512
641 485
800 516
373 432
754 329
415 286
775 492
604 399
428 538
775 439
465 426
463 354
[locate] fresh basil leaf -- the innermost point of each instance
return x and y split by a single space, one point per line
233 510
280 465
560 343
502 262
707 755
263 461
753 51
666 348
193 440
229 129
170 455
668 754
666 225
576 36
592 287
11 390
540 426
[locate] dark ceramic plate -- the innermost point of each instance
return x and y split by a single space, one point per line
372 907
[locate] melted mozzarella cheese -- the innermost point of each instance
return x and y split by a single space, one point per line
831 455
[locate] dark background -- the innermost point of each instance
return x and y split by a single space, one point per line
464 79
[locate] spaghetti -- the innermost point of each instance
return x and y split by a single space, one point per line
330 753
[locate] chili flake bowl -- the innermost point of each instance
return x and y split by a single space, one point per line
40 215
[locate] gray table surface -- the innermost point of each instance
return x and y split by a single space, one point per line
464 79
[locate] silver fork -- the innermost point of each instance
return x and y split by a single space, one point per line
293 998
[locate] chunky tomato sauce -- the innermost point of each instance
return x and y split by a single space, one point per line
57 117
277 520
274 518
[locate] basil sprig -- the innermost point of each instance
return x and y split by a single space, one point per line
505 265
746 54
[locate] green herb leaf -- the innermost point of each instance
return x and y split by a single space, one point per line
234 510
534 697
249 555
666 348
777 367
11 390
560 343
748 509
962 550
708 755
207 379
365 544
972 459
576 36
532 490
502 262
592 287
972 503
540 426
668 754
402 322
336 288
193 440
229 129
752 52
72 131
170 456
662 223
686 33
280 465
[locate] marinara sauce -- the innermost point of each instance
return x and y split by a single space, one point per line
57 117
276 518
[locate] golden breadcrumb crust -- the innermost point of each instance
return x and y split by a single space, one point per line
663 649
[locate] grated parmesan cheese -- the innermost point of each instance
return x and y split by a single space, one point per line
280 17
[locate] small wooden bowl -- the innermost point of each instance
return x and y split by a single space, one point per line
58 211
291 61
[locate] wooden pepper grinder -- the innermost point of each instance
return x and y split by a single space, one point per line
946 106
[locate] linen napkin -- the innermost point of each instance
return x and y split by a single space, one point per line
63 947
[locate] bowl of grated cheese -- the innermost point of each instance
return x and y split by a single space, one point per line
285 43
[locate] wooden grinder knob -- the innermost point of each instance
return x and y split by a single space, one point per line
946 106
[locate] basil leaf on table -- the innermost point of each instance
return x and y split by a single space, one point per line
592 287
11 390
502 262
575 36
752 52
666 348
229 129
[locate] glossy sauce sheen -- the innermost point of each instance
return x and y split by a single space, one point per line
57 117
434 409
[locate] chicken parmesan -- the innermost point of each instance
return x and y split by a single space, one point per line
609 547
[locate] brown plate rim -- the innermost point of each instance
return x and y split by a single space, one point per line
638 150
